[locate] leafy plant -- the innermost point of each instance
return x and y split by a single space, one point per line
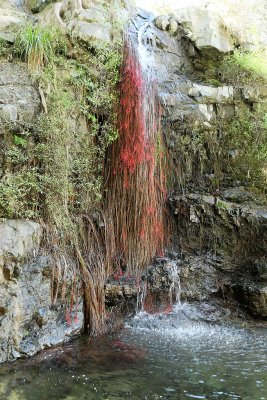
19 141
19 192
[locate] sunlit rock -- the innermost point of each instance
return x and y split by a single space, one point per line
205 28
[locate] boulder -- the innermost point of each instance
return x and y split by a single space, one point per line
11 21
205 29
89 22
29 321
89 32
19 238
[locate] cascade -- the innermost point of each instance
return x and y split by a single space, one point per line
136 165
160 291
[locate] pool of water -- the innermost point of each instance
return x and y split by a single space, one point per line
163 356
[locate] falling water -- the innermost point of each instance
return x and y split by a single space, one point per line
169 290
175 287
136 194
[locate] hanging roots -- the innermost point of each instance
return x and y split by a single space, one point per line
136 194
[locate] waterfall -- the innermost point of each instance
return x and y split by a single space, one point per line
136 169
160 288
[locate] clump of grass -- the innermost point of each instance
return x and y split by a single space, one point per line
38 45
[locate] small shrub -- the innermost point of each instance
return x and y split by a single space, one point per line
19 194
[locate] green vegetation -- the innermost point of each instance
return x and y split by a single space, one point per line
246 144
38 45
54 170
234 151
20 185
4 48
245 67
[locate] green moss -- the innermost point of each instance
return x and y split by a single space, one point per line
221 205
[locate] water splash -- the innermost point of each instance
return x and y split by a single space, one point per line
181 325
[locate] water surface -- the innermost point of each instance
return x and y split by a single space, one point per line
154 357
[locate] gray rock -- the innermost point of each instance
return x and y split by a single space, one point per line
254 93
19 238
205 28
210 94
206 112
237 195
93 14
173 28
8 113
162 22
20 101
29 322
87 20
90 31
11 21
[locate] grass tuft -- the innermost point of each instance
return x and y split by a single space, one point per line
38 45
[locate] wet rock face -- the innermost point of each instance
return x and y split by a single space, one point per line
29 322
253 295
